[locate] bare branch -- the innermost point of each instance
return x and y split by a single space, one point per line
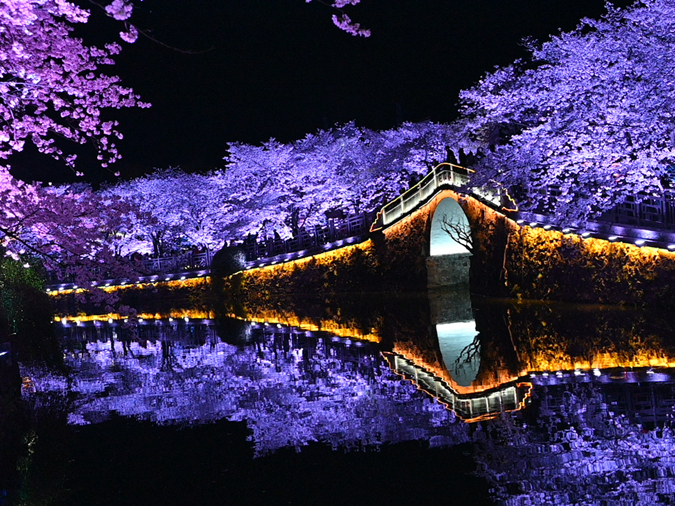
458 231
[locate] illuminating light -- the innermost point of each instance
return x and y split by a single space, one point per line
533 223
585 234
566 230
640 242
520 222
453 338
547 227
613 238
449 213
671 247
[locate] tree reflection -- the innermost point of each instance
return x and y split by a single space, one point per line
565 404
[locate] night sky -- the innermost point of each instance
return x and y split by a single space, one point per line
279 68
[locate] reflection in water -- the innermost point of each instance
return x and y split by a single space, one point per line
583 444
567 405
470 408
461 353
290 386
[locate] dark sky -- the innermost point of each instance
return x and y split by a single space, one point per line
279 68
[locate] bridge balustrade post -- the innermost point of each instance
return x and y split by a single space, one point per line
331 230
318 233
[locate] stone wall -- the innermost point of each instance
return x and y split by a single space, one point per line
507 261
549 265
448 270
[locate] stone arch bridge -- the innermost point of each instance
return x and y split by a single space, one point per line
443 232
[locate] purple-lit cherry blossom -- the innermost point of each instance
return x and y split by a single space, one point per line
343 21
51 84
586 120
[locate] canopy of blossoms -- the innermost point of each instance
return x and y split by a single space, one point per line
586 120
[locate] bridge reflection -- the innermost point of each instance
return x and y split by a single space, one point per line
481 358
470 408
564 397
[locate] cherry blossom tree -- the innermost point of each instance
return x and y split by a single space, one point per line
342 20
287 186
586 120
50 85
175 210
68 230
52 89
276 187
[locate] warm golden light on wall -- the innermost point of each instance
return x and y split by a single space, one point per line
176 283
175 313
313 325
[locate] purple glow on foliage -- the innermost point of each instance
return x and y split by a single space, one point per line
289 396
587 123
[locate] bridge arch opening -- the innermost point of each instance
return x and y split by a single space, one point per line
450 245
460 350
450 231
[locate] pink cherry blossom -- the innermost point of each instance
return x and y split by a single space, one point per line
120 10
52 87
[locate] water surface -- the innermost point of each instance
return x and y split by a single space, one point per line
431 397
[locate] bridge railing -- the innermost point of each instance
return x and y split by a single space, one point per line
354 225
445 174
652 212
184 262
